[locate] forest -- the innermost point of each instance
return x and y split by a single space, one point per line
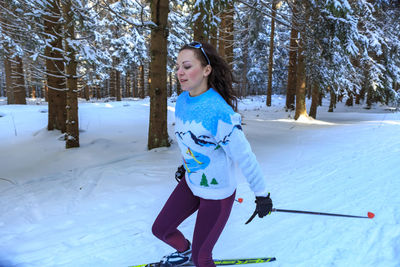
88 154
66 51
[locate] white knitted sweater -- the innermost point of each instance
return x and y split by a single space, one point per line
211 140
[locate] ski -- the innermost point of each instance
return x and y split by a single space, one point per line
243 261
220 262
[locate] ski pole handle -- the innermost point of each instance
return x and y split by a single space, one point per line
369 216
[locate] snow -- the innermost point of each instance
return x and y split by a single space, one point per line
94 205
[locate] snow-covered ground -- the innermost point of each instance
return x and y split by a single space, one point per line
94 205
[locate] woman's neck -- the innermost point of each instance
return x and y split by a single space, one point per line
199 90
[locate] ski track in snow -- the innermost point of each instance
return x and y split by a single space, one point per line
95 206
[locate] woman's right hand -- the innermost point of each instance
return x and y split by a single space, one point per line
180 173
263 207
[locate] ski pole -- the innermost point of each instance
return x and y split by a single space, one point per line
370 215
240 200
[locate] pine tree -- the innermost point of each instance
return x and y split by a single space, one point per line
10 37
201 20
204 181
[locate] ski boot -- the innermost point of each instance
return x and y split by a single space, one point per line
177 258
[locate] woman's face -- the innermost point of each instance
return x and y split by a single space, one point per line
191 74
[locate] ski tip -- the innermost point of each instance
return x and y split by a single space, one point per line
371 215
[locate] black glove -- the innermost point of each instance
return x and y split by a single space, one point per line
180 173
263 207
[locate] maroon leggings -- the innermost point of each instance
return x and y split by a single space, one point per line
211 219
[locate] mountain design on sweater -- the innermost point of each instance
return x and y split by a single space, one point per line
200 161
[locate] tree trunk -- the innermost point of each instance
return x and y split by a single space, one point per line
55 68
178 88
315 100
301 82
19 82
349 101
98 91
360 97
86 92
158 134
291 85
332 103
170 84
9 82
271 54
245 56
222 35
45 91
229 30
33 92
72 129
213 33
308 90
141 81
370 93
118 85
134 83
301 79
128 83
112 81
7 60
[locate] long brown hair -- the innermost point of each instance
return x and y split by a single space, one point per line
221 77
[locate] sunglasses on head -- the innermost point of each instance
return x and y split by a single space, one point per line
200 46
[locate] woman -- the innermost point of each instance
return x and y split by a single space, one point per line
210 138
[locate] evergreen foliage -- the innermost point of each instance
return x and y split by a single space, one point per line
351 47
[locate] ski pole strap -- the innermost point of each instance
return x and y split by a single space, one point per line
370 214
252 217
